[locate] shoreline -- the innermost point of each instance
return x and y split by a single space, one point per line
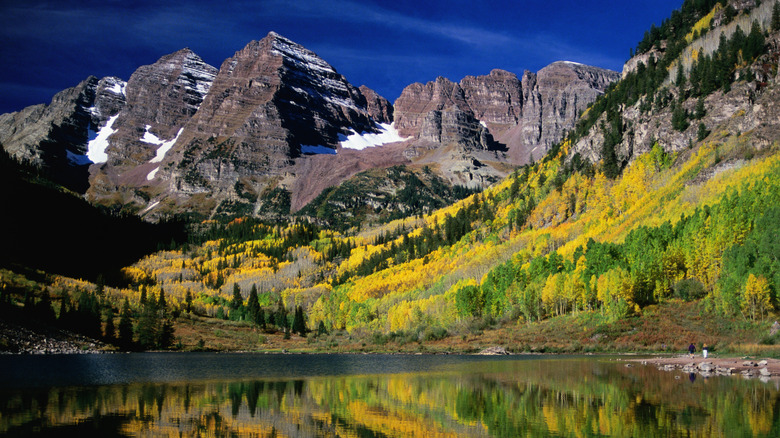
712 366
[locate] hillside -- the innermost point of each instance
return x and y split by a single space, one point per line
665 196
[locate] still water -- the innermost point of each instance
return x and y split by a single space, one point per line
206 394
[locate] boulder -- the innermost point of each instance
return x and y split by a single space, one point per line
494 351
706 367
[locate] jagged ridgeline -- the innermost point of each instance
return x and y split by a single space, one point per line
663 196
275 126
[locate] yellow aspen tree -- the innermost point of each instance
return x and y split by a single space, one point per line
756 300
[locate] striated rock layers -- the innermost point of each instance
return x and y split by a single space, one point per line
272 125
499 112
223 138
161 99
54 136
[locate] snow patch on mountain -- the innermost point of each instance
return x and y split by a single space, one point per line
118 88
96 148
303 58
164 146
387 134
195 77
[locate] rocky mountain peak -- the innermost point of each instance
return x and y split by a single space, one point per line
160 99
303 58
183 136
379 108
526 117
495 99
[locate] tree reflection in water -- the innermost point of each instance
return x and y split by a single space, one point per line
546 397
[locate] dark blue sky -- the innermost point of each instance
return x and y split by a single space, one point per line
48 46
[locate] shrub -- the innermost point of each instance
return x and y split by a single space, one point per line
379 338
689 289
434 333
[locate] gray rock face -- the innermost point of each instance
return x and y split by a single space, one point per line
379 108
556 98
512 120
55 136
268 103
182 136
748 107
521 115
161 99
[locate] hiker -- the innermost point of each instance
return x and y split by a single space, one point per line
704 351
691 349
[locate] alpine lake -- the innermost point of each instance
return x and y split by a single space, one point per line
352 395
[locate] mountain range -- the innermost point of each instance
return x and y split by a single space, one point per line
275 125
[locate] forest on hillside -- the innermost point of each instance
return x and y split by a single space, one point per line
558 238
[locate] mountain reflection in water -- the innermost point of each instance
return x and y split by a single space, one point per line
464 396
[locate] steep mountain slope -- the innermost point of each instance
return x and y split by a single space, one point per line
499 111
182 137
598 232
558 237
161 99
54 136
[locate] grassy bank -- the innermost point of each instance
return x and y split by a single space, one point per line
663 328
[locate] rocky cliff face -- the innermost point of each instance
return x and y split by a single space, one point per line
509 118
554 99
749 106
160 99
182 136
54 136
379 108
271 103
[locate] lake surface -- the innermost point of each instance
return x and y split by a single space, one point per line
208 394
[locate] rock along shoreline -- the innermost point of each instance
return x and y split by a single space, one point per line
16 339
712 366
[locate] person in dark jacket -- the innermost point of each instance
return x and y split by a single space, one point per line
691 349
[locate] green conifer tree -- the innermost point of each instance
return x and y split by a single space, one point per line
680 80
253 306
126 326
776 16
700 110
280 319
65 306
702 132
188 301
109 330
237 304
166 334
147 328
680 118
299 322
44 310
321 329
162 305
